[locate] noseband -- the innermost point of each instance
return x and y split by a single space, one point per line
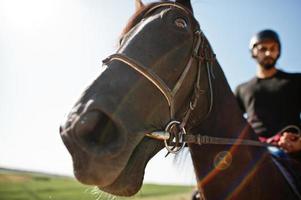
174 135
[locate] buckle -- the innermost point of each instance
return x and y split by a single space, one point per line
176 138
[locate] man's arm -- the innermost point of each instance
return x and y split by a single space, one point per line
238 96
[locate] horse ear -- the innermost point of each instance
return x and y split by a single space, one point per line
185 3
138 4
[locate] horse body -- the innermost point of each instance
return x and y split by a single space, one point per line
157 72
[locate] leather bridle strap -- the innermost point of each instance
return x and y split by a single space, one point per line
153 78
204 139
200 139
149 75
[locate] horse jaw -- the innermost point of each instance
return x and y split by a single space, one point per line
130 179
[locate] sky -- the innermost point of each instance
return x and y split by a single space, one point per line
51 50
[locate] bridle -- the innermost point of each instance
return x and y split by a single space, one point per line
174 135
168 94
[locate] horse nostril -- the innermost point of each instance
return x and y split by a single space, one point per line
98 133
87 123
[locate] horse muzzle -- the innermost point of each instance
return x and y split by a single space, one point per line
94 138
96 133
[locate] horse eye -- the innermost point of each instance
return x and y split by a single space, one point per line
181 23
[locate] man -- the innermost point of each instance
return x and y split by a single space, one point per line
272 99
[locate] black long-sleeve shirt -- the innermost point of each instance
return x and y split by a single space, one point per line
271 103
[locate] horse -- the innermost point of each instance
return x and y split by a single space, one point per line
164 88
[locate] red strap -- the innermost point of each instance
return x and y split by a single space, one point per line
271 140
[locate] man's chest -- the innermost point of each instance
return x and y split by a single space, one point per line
272 91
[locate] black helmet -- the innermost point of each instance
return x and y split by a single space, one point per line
264 35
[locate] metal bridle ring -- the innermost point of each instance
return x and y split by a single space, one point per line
182 132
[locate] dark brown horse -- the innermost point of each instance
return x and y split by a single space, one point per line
163 82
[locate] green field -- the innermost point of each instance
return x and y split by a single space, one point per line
17 185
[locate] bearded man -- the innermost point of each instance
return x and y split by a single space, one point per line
272 99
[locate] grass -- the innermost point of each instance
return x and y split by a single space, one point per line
18 185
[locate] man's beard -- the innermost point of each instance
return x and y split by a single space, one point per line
266 64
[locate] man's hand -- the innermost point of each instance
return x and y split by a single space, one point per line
290 142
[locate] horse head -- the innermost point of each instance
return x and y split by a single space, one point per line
159 75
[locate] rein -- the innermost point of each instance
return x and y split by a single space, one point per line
181 138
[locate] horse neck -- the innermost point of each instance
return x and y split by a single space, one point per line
225 118
250 168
